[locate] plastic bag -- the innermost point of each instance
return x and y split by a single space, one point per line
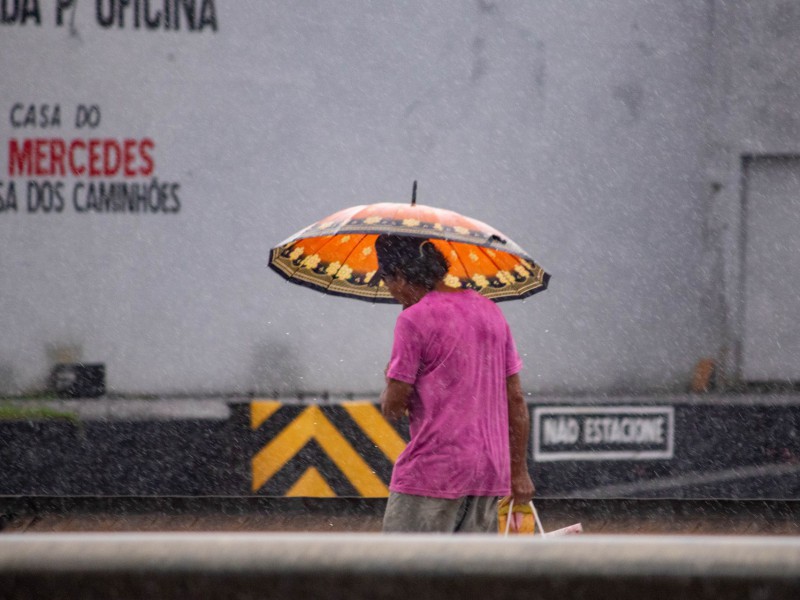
523 518
515 518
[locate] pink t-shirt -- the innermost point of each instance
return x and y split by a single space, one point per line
456 349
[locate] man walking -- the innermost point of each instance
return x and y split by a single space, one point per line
454 370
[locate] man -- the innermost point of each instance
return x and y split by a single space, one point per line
454 370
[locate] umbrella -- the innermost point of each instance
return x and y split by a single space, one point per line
336 255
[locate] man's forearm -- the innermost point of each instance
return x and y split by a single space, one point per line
522 488
518 430
394 399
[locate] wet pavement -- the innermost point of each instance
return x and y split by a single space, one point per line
659 517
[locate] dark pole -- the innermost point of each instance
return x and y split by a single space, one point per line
414 194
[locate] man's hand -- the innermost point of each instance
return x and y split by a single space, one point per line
522 488
394 399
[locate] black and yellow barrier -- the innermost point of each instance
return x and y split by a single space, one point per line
645 448
346 449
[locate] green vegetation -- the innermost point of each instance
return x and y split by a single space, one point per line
12 412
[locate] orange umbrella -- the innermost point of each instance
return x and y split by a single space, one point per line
337 254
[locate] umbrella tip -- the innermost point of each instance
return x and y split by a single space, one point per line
414 194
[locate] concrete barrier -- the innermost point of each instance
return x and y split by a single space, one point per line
708 447
377 566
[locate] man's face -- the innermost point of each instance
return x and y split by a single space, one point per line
400 290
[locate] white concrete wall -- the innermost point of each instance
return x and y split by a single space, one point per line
755 114
580 129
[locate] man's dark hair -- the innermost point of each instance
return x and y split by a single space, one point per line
415 258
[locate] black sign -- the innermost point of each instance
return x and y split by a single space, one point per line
603 433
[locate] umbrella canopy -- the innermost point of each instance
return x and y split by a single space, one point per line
337 254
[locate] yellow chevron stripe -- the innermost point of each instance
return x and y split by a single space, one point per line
312 424
377 428
272 457
311 485
261 410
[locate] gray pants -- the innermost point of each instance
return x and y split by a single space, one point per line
421 514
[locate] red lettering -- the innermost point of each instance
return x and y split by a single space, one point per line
144 148
40 147
95 156
74 167
20 160
111 157
130 158
41 157
58 150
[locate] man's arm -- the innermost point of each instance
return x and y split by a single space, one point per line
522 489
394 399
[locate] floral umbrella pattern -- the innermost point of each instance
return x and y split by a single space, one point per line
337 254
